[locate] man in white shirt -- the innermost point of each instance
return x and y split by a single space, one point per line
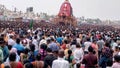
42 41
78 39
78 54
11 41
87 44
35 42
114 44
100 44
60 62
26 42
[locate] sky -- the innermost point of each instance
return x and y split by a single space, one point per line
103 9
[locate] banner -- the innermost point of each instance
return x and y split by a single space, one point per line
31 24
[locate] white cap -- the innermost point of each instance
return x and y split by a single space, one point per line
29 31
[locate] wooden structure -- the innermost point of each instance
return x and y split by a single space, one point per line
65 15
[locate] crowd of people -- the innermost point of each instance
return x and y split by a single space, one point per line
56 46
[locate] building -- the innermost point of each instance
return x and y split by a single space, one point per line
8 15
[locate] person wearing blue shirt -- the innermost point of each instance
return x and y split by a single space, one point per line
59 39
53 45
4 49
18 46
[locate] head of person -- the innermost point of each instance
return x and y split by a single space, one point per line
18 41
110 62
100 38
68 36
29 65
36 32
78 45
11 36
52 39
48 35
74 42
38 57
116 48
24 42
69 52
77 36
49 50
12 57
90 49
115 40
61 53
94 41
117 58
26 61
32 47
43 46
48 41
2 42
55 53
26 51
65 41
35 37
88 39
7 66
43 37
107 44
60 35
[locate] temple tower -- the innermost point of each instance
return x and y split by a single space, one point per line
65 15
